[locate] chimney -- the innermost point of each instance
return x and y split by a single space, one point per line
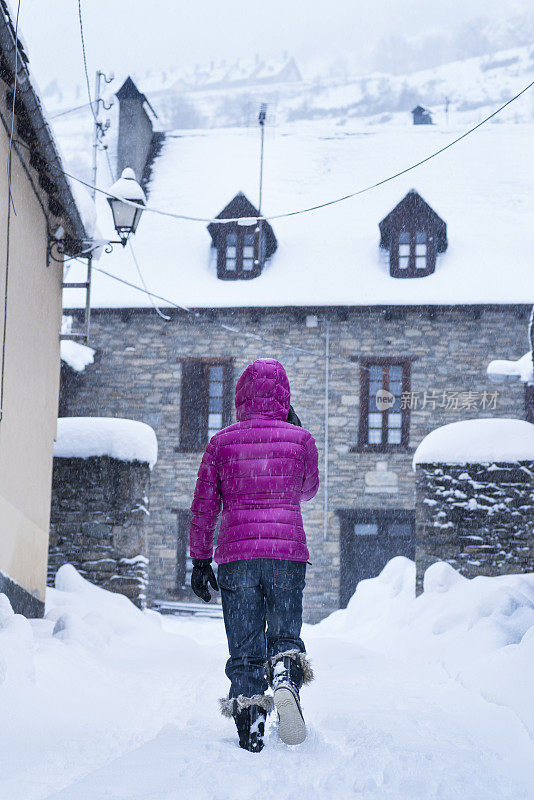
135 130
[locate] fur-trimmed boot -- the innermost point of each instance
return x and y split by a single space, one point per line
249 714
286 673
250 724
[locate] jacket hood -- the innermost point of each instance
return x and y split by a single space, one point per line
263 391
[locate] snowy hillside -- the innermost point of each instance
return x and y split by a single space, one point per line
426 699
475 87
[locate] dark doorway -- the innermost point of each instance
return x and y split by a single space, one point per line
369 539
184 565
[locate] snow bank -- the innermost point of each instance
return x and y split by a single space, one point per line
16 645
85 614
124 439
77 356
479 631
500 369
477 441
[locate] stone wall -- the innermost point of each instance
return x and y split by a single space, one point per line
99 520
477 517
138 375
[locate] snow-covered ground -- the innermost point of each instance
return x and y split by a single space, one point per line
413 698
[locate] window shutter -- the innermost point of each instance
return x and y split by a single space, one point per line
192 409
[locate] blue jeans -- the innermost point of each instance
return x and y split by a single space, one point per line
262 607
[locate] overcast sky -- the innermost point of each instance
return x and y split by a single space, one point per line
139 35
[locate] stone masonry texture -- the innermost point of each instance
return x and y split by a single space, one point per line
137 374
99 523
477 517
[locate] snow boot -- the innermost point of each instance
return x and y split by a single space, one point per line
250 724
286 673
249 714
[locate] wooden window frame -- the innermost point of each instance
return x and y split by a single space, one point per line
363 427
411 271
187 445
238 273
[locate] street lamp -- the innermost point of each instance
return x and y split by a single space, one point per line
125 193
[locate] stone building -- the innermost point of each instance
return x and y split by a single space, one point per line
384 310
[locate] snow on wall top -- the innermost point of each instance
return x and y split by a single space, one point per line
478 441
77 356
500 369
124 439
482 188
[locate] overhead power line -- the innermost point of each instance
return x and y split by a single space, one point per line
230 328
70 110
84 54
197 314
141 278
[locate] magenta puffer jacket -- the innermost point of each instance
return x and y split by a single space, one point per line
259 469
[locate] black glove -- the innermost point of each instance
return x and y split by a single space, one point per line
292 417
201 576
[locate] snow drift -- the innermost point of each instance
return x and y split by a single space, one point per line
479 631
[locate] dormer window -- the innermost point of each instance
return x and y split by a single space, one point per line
241 249
413 233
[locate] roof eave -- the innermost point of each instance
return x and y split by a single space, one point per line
32 105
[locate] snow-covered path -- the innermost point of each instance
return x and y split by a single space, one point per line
396 735
137 717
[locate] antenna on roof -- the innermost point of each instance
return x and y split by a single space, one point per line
262 116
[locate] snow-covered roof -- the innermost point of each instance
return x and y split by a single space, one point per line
478 441
123 439
228 73
482 188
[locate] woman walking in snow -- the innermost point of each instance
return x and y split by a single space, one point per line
259 470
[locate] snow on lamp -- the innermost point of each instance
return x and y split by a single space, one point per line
125 193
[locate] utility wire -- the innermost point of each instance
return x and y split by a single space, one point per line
13 109
408 169
197 314
148 294
309 208
88 84
69 111
231 328
82 37
110 170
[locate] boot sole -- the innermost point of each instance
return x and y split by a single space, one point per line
291 726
